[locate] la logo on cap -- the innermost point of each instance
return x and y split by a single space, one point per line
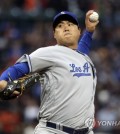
62 12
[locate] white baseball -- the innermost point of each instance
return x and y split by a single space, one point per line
94 17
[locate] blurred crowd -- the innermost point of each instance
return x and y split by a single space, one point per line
25 25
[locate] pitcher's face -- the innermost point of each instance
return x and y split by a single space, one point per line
67 33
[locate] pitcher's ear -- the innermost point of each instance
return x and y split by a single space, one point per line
79 29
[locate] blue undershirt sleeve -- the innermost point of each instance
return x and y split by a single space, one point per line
85 42
16 71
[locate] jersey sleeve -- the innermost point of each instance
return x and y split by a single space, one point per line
39 60
85 42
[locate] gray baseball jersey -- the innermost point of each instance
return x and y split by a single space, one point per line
68 84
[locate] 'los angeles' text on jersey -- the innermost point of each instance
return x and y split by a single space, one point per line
79 71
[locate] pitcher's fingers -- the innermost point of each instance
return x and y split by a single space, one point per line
16 93
89 13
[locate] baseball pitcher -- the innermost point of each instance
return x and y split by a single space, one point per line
67 76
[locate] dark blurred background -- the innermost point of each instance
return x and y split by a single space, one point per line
26 25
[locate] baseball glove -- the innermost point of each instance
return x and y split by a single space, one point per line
18 85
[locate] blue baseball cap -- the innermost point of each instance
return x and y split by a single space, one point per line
65 15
